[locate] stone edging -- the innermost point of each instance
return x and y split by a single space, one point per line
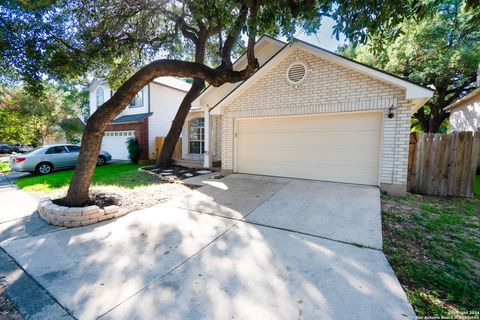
76 217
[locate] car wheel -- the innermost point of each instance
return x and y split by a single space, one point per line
44 168
101 161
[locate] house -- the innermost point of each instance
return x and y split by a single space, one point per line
149 115
465 112
307 113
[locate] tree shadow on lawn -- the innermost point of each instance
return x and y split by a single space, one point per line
171 263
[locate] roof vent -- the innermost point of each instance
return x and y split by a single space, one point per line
296 72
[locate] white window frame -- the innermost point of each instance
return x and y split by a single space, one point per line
102 92
201 134
137 100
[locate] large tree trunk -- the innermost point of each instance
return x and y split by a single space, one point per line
176 129
77 193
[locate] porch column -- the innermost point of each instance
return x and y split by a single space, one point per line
207 155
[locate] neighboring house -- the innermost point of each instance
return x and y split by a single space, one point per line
308 113
149 115
465 112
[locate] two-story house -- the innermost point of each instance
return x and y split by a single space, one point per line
149 115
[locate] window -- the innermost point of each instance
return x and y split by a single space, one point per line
74 148
137 101
100 97
196 135
57 149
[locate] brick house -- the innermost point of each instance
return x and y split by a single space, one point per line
149 115
465 112
307 113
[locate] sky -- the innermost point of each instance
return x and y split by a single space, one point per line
323 37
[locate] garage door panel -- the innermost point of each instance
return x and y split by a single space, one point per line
314 158
330 123
331 173
343 148
359 140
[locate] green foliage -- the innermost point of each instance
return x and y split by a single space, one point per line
112 39
442 52
72 128
134 149
28 118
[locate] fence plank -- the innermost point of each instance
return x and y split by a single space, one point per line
443 164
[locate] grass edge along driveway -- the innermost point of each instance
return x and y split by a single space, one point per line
433 245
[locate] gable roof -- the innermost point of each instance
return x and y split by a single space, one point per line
132 118
418 94
457 102
170 82
174 83
265 41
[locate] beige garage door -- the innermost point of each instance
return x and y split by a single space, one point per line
341 147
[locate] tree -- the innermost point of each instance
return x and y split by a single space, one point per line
28 118
122 40
442 52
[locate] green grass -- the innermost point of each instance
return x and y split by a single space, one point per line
124 175
433 245
476 189
4 167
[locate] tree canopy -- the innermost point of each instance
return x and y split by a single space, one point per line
132 42
442 52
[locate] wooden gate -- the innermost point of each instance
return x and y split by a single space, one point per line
443 164
177 153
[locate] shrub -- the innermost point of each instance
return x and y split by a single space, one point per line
134 149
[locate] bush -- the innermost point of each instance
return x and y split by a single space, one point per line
134 149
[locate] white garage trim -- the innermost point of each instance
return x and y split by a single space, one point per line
291 131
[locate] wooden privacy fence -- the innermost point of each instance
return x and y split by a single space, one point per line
443 164
177 153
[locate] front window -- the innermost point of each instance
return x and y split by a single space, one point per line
196 136
100 97
137 101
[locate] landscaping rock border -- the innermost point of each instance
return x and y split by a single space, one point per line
175 174
72 217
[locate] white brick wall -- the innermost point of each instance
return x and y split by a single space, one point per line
466 117
328 88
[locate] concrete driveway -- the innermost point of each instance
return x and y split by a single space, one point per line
244 247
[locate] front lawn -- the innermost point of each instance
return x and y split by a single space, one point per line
433 244
121 174
137 190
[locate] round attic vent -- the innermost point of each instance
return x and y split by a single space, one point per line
296 72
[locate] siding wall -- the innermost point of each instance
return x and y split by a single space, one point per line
328 88
164 105
466 117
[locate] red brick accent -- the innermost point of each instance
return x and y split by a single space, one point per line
141 132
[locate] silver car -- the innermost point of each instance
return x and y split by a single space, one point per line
44 160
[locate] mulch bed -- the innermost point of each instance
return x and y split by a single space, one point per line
99 199
177 172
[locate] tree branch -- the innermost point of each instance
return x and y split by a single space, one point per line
232 36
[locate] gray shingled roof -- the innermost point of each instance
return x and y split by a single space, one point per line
132 118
